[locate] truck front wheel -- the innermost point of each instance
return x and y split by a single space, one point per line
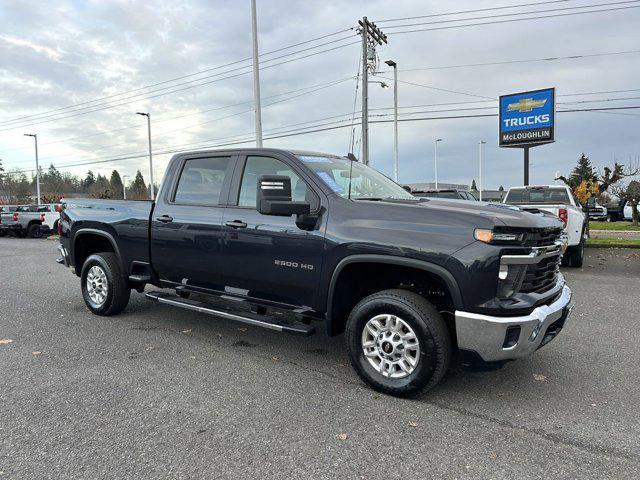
398 343
104 289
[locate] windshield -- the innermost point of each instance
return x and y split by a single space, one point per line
366 183
548 196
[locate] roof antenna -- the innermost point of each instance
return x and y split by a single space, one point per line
353 158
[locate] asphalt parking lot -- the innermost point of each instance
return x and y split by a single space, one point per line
162 393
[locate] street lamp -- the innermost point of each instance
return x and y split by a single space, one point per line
382 84
435 158
35 138
393 64
150 156
124 187
480 143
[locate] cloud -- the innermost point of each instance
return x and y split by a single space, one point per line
68 53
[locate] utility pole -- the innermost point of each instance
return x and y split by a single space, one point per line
256 75
435 158
152 196
371 35
35 138
480 143
124 187
394 65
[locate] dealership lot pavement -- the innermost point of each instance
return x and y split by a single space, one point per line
163 393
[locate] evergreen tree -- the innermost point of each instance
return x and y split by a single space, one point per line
1 174
473 185
89 180
116 184
138 187
501 189
583 172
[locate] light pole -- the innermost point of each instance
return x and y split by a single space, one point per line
435 158
35 138
256 74
393 64
150 156
480 143
124 187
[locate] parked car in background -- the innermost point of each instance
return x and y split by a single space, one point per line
451 193
615 210
51 215
628 211
7 225
33 221
559 200
597 212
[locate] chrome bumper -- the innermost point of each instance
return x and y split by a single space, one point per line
487 335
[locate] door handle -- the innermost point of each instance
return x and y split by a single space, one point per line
236 224
165 219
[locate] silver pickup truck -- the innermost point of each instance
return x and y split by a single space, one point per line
33 221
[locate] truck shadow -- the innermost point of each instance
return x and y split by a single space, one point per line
324 355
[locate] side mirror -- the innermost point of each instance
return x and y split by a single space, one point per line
407 188
274 197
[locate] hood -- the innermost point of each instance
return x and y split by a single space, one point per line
477 213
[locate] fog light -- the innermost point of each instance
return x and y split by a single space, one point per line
510 279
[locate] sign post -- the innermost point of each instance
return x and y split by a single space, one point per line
527 119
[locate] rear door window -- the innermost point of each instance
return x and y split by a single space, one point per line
201 181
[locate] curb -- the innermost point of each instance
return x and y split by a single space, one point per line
621 245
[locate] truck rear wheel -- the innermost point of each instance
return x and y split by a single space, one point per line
104 289
398 343
34 231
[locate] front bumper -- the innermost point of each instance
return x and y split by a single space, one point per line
507 338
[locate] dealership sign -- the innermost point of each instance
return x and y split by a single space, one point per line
527 118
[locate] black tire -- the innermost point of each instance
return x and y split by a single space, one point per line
576 258
429 328
34 231
118 292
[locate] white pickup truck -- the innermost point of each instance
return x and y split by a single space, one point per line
559 200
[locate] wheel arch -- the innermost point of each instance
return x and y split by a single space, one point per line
335 322
88 241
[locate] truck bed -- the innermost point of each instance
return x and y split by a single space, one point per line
126 220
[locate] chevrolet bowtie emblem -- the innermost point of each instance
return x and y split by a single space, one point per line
526 105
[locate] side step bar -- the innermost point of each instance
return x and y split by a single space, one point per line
244 317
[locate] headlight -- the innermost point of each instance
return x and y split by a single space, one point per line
489 236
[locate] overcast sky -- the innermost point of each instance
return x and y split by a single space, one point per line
56 54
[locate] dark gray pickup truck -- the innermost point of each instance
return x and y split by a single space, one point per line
290 240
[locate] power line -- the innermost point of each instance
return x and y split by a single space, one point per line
514 14
199 112
507 62
330 126
496 22
185 76
327 85
98 108
439 89
472 11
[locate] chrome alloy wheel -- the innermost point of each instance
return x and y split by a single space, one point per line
391 346
97 286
